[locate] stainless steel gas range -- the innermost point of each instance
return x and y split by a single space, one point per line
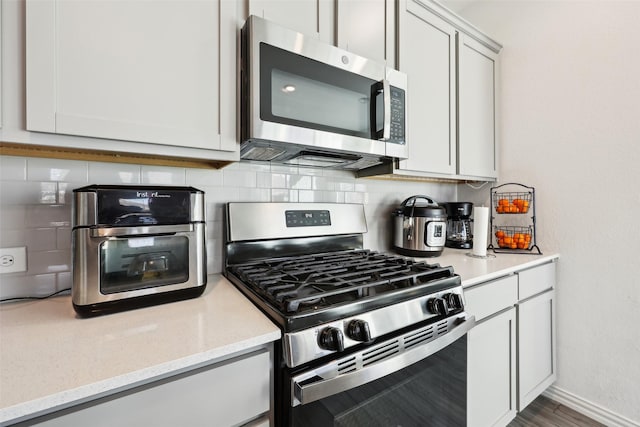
368 338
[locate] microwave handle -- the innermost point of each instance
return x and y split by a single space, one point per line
381 87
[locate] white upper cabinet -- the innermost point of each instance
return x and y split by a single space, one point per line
476 109
452 79
158 72
426 54
311 17
366 28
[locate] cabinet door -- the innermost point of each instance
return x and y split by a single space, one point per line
131 70
536 347
366 28
427 56
312 17
491 375
229 394
476 109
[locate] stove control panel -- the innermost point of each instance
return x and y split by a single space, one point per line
336 336
309 218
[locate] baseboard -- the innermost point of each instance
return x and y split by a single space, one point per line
588 408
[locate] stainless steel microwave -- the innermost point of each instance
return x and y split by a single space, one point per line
308 103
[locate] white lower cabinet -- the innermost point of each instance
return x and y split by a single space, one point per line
230 393
492 349
512 351
536 347
491 356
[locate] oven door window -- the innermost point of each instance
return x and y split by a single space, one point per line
431 392
299 91
128 264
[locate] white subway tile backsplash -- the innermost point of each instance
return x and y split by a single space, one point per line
290 169
239 178
13 168
284 195
48 216
159 175
103 173
44 239
36 198
48 261
280 180
254 195
64 280
63 238
204 177
301 182
56 170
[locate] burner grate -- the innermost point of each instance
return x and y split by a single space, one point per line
312 282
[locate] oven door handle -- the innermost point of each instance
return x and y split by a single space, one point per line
310 387
144 230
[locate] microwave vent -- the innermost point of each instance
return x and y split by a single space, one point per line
262 153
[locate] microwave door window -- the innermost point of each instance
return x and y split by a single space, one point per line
302 92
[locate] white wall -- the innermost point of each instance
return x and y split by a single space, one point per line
571 128
36 198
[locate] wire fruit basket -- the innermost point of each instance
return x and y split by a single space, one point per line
518 234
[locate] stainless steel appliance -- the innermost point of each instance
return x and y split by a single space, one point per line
135 246
459 235
420 227
368 338
308 103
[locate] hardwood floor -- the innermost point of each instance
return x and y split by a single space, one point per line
545 412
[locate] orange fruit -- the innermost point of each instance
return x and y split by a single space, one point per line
499 234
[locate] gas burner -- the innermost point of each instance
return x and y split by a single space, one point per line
311 283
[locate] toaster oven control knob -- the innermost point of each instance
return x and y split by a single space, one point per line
331 339
437 306
454 301
358 330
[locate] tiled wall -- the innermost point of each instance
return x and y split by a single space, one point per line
36 197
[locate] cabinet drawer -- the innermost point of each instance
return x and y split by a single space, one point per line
536 279
491 297
225 394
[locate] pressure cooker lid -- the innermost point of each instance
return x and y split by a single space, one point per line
421 206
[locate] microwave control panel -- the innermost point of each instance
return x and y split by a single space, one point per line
397 135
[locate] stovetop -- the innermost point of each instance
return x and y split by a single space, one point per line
304 265
306 290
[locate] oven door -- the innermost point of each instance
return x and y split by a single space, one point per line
415 379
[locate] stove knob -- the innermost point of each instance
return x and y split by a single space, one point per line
436 306
358 330
331 339
454 301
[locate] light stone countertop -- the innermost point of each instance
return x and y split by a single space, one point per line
473 271
51 359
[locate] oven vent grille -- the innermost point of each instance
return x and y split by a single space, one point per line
347 365
418 338
379 353
442 327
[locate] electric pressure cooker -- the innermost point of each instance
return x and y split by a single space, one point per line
420 226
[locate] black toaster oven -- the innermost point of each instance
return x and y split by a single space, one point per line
135 246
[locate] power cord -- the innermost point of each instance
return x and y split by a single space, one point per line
34 298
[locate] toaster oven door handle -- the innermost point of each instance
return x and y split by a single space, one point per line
310 386
140 230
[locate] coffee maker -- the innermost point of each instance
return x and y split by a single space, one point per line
459 234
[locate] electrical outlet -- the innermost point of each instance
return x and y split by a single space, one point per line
13 260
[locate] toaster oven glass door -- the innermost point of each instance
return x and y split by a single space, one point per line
131 263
